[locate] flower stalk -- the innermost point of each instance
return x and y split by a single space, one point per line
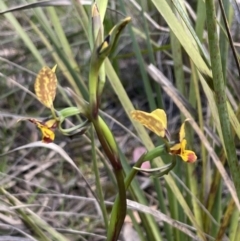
105 136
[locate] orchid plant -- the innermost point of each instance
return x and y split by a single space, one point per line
45 89
156 121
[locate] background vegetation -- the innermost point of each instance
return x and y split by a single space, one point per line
173 55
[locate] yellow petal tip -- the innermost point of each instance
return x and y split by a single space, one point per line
54 68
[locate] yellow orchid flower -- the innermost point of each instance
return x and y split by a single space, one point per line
179 148
156 121
47 128
45 89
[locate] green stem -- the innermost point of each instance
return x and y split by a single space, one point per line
99 54
115 225
98 183
93 85
119 209
120 206
221 99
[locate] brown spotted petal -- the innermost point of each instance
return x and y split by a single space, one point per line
45 86
155 121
